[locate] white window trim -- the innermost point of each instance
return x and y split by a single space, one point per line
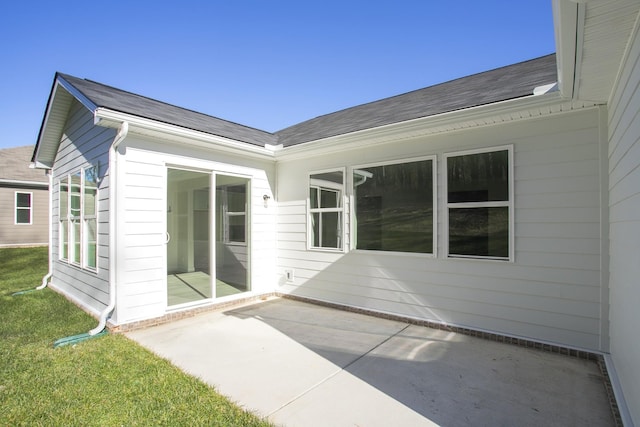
509 204
434 178
16 208
340 209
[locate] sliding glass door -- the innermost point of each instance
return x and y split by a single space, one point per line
207 248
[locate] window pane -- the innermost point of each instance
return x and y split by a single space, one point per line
23 216
237 228
331 229
91 234
329 198
64 240
313 197
481 177
89 201
64 200
90 191
23 200
237 196
76 242
315 229
479 231
394 207
75 195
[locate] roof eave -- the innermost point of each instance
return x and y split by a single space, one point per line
425 126
172 133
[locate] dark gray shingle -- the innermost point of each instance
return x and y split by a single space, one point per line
130 103
501 84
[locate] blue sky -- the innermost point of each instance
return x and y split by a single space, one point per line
265 64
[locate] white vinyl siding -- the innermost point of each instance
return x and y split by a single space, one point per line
624 232
142 205
552 290
82 145
36 233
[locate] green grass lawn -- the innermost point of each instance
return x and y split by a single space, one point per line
105 381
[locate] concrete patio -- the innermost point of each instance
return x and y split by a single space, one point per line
301 364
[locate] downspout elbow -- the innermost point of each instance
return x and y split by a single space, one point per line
123 130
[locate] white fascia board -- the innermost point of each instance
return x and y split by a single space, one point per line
168 132
89 105
413 128
567 25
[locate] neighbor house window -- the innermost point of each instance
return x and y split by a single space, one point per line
394 206
24 208
479 191
77 214
326 210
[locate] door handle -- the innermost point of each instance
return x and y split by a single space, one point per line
168 238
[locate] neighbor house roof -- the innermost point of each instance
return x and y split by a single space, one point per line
104 96
513 81
15 170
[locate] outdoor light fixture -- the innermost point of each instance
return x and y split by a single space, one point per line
266 198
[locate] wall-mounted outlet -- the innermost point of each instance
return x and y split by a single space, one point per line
288 274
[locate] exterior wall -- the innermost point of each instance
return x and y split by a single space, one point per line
83 144
550 293
141 209
36 233
624 212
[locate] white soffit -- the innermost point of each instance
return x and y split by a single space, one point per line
605 32
53 126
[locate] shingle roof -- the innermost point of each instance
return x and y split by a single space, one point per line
14 166
501 84
126 102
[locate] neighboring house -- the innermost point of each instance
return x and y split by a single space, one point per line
506 202
24 200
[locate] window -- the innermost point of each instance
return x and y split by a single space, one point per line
479 204
235 213
394 207
326 191
24 213
78 231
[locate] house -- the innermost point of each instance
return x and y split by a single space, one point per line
505 202
24 200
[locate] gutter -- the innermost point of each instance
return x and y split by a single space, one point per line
123 130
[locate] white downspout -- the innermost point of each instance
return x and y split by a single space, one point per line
113 155
46 278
